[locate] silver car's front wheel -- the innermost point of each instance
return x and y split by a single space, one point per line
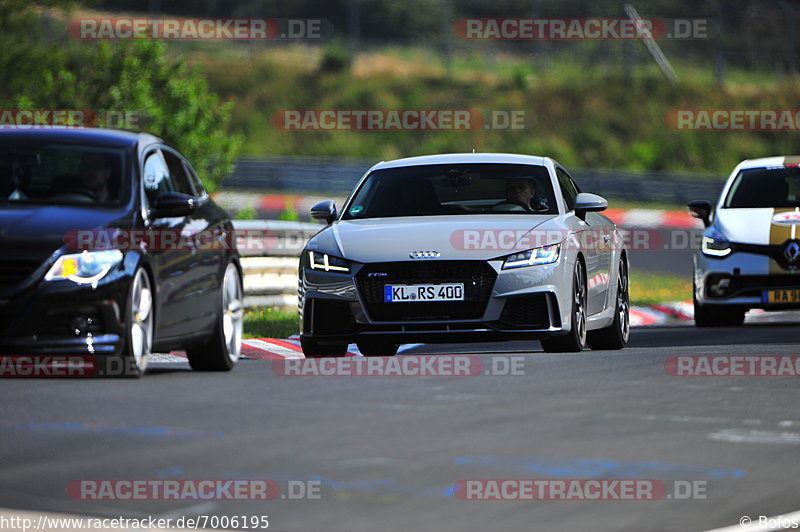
616 335
575 340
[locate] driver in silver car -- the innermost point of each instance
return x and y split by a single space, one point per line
524 192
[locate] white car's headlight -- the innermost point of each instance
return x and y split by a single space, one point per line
328 263
532 257
84 268
715 246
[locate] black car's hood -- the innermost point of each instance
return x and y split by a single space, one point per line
36 231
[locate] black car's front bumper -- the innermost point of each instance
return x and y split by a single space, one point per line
64 318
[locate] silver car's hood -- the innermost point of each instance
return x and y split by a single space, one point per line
454 237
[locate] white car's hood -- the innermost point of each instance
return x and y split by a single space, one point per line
453 237
758 225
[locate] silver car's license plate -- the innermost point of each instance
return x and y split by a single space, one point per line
409 293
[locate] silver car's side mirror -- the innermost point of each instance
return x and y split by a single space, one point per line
586 202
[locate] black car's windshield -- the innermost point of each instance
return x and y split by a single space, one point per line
63 174
765 187
454 189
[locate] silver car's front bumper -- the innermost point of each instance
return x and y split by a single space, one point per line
530 302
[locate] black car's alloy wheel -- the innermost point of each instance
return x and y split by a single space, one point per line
222 351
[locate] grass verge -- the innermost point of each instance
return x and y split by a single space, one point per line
650 288
270 323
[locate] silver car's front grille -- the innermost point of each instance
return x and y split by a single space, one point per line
477 276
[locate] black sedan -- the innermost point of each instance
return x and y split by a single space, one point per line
111 249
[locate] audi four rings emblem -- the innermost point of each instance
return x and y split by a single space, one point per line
424 254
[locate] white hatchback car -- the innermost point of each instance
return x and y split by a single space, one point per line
750 250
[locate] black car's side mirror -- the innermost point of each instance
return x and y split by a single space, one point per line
324 210
701 209
171 204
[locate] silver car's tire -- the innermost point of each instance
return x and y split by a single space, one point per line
222 352
575 340
616 335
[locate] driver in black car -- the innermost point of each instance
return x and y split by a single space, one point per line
95 171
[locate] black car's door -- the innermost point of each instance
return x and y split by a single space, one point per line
178 293
205 228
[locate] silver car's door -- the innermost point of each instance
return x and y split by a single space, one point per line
591 239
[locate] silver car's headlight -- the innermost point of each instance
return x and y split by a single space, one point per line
532 257
715 245
84 268
328 263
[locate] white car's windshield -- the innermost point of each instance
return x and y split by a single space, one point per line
454 189
765 187
62 174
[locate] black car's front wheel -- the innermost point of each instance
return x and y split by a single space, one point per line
138 330
575 340
222 351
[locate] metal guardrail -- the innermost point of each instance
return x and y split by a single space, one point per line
270 255
335 176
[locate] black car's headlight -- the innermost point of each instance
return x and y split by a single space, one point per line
328 263
84 268
715 245
533 257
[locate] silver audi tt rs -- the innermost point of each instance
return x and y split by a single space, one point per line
461 248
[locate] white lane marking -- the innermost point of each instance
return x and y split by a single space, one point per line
756 436
753 526
191 511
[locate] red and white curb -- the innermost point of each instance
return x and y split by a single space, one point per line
662 313
653 218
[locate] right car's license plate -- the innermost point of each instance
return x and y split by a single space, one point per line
781 296
405 293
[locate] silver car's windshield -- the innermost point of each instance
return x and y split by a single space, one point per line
63 174
432 190
765 187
